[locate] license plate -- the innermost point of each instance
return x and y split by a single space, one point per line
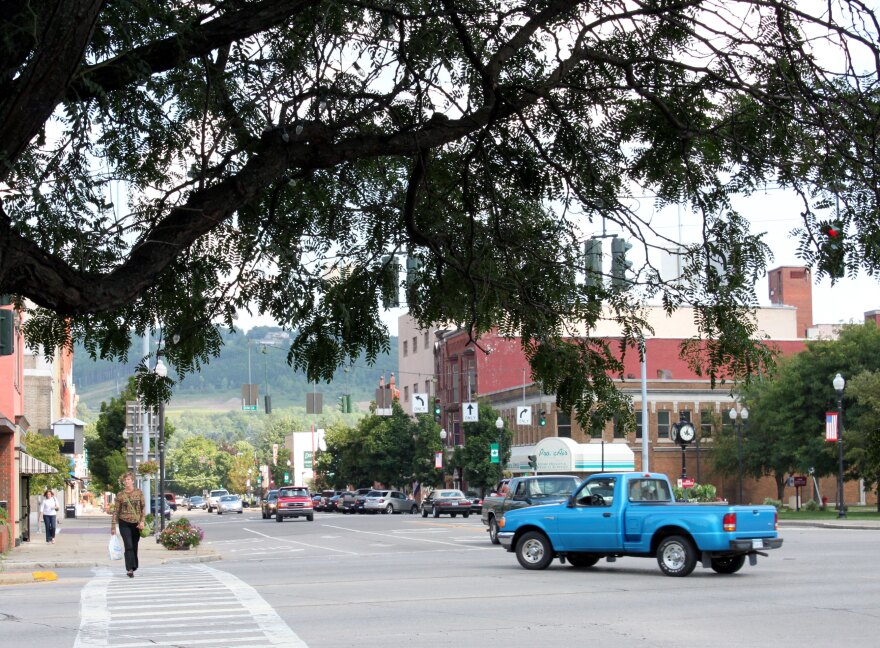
455 504
757 544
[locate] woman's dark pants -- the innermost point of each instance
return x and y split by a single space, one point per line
131 535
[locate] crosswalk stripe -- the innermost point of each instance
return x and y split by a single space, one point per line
119 613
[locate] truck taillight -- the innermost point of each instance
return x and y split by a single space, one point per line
729 521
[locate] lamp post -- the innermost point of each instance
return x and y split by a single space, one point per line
499 425
839 383
743 416
162 372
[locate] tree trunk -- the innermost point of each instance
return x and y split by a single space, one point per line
780 486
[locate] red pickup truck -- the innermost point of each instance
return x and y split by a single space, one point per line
294 501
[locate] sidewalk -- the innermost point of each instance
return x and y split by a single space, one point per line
82 542
845 523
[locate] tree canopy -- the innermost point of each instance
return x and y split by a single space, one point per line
167 164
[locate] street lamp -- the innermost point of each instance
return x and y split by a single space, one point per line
743 415
162 372
839 383
499 425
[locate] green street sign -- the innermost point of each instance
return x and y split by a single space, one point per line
493 453
249 408
307 459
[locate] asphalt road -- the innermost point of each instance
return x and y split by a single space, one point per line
403 581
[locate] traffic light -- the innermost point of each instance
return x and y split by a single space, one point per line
832 258
437 409
593 262
619 264
533 462
542 418
345 403
391 291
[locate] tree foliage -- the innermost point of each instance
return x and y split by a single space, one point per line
475 459
863 438
785 433
171 163
48 450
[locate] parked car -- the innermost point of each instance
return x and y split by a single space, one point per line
197 502
294 501
161 504
476 502
324 504
172 501
269 504
353 502
335 502
389 501
229 504
446 502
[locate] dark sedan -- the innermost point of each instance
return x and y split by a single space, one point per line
476 503
446 502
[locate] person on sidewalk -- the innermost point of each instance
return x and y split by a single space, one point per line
128 516
49 511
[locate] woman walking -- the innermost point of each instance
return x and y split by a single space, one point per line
128 517
49 511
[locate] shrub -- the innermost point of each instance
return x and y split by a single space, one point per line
180 534
811 506
769 501
699 493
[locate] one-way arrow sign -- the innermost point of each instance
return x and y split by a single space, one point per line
470 413
420 403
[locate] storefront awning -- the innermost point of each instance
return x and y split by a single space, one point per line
29 465
562 455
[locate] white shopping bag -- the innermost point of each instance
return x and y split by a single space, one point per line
115 547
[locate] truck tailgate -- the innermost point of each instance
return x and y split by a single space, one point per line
755 521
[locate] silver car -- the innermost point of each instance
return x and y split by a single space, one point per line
389 501
229 504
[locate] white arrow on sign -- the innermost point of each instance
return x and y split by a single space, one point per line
470 413
420 403
524 415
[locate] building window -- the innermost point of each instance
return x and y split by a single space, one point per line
425 345
405 348
662 425
563 424
428 387
405 394
619 429
638 424
415 344
415 389
706 424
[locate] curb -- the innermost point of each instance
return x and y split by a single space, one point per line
20 578
828 525
67 564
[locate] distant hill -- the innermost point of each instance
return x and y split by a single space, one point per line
218 385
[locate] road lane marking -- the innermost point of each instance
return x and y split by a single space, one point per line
304 544
401 537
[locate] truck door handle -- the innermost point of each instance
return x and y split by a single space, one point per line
606 515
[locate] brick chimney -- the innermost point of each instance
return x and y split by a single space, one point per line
793 286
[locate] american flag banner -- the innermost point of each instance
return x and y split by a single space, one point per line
438 460
831 426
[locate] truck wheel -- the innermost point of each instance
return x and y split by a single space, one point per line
464 515
278 518
533 551
493 531
676 556
582 559
311 518
389 510
728 564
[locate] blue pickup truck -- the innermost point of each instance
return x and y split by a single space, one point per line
611 515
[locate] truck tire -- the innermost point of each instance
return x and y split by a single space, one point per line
728 564
534 551
435 512
465 515
310 518
278 518
582 559
676 556
493 531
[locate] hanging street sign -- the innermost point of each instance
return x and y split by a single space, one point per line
420 404
470 413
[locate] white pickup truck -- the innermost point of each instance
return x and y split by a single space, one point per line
214 497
